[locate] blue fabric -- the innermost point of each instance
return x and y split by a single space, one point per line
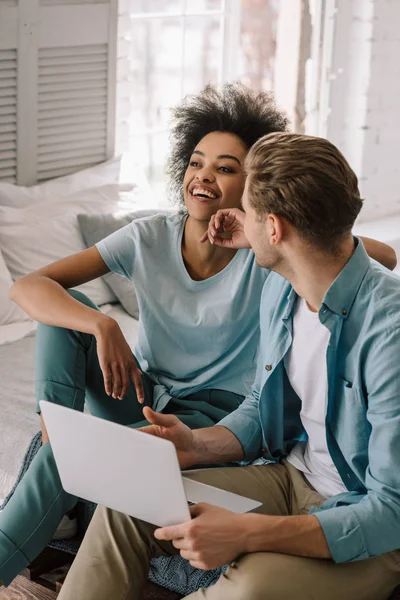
176 574
361 309
206 336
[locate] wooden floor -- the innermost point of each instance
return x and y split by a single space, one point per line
43 579
23 589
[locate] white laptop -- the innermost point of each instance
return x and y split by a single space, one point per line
127 470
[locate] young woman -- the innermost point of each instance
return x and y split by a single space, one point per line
198 303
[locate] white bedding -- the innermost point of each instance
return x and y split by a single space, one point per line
17 331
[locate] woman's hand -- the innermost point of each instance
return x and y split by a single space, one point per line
170 428
227 221
117 362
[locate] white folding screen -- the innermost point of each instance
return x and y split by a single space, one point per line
57 86
8 114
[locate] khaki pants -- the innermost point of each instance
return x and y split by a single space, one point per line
113 561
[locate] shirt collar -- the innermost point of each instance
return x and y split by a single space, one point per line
291 299
340 296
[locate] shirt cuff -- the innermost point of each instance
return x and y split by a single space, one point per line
247 432
106 256
343 533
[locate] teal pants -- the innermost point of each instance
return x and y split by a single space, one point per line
68 373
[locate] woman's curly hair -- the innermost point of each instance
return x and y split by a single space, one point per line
232 108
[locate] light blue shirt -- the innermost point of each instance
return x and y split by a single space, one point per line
193 335
361 309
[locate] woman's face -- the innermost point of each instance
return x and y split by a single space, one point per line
215 178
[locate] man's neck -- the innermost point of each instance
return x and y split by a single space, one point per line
312 272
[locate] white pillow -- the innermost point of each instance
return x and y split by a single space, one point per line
9 312
44 232
121 169
101 174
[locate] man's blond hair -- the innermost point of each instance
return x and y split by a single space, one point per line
307 181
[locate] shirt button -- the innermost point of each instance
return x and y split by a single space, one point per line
268 367
344 312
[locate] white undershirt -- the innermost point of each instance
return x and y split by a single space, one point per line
306 368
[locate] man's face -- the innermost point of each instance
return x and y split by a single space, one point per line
260 231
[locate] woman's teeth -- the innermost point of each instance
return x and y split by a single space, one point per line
203 193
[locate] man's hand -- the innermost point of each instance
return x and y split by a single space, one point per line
169 427
205 446
213 538
227 221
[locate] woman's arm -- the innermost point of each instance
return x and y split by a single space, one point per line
232 221
381 252
43 296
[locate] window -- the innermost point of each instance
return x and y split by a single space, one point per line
172 48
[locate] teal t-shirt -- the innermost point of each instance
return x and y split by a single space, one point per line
193 335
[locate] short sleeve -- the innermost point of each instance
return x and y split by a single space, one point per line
119 250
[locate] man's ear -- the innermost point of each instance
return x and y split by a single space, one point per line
275 228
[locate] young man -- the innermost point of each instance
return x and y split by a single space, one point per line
323 416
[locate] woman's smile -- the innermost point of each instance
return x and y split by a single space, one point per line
202 193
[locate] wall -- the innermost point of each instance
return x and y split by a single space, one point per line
381 166
364 98
287 58
123 91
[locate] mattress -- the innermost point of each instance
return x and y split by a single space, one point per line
18 420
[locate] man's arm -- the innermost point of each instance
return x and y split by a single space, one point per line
216 536
371 526
298 535
237 436
201 446
345 533
216 444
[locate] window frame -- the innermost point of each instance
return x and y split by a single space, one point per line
230 13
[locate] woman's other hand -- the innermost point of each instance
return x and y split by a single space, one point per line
226 228
117 362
